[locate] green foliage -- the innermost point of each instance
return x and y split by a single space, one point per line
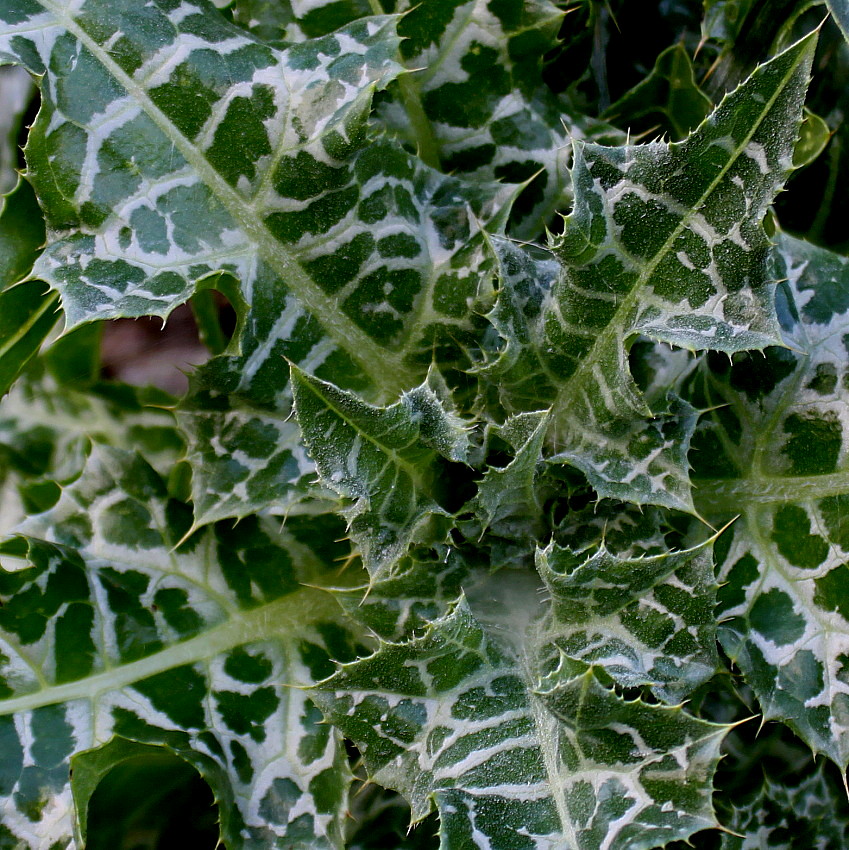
432 539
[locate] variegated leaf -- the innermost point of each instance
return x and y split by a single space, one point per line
509 500
510 557
278 21
475 103
47 429
272 21
114 628
242 441
811 814
628 531
420 589
664 240
153 141
350 254
384 459
179 79
458 718
645 620
775 453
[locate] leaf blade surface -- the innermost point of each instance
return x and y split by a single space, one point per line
665 241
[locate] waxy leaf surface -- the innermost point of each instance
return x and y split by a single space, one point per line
458 718
429 266
664 240
112 629
776 454
384 459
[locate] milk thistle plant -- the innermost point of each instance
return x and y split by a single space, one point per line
514 512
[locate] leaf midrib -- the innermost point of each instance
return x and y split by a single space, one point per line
546 728
282 619
370 356
608 335
728 494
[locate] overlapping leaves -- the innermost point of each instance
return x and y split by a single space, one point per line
457 415
414 296
47 429
775 453
647 621
480 711
385 459
474 102
354 258
110 628
811 813
458 718
665 241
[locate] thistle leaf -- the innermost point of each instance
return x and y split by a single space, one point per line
430 267
644 620
272 21
508 504
665 240
774 454
812 813
474 104
355 259
47 429
288 21
188 206
431 499
109 630
419 590
385 459
455 719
